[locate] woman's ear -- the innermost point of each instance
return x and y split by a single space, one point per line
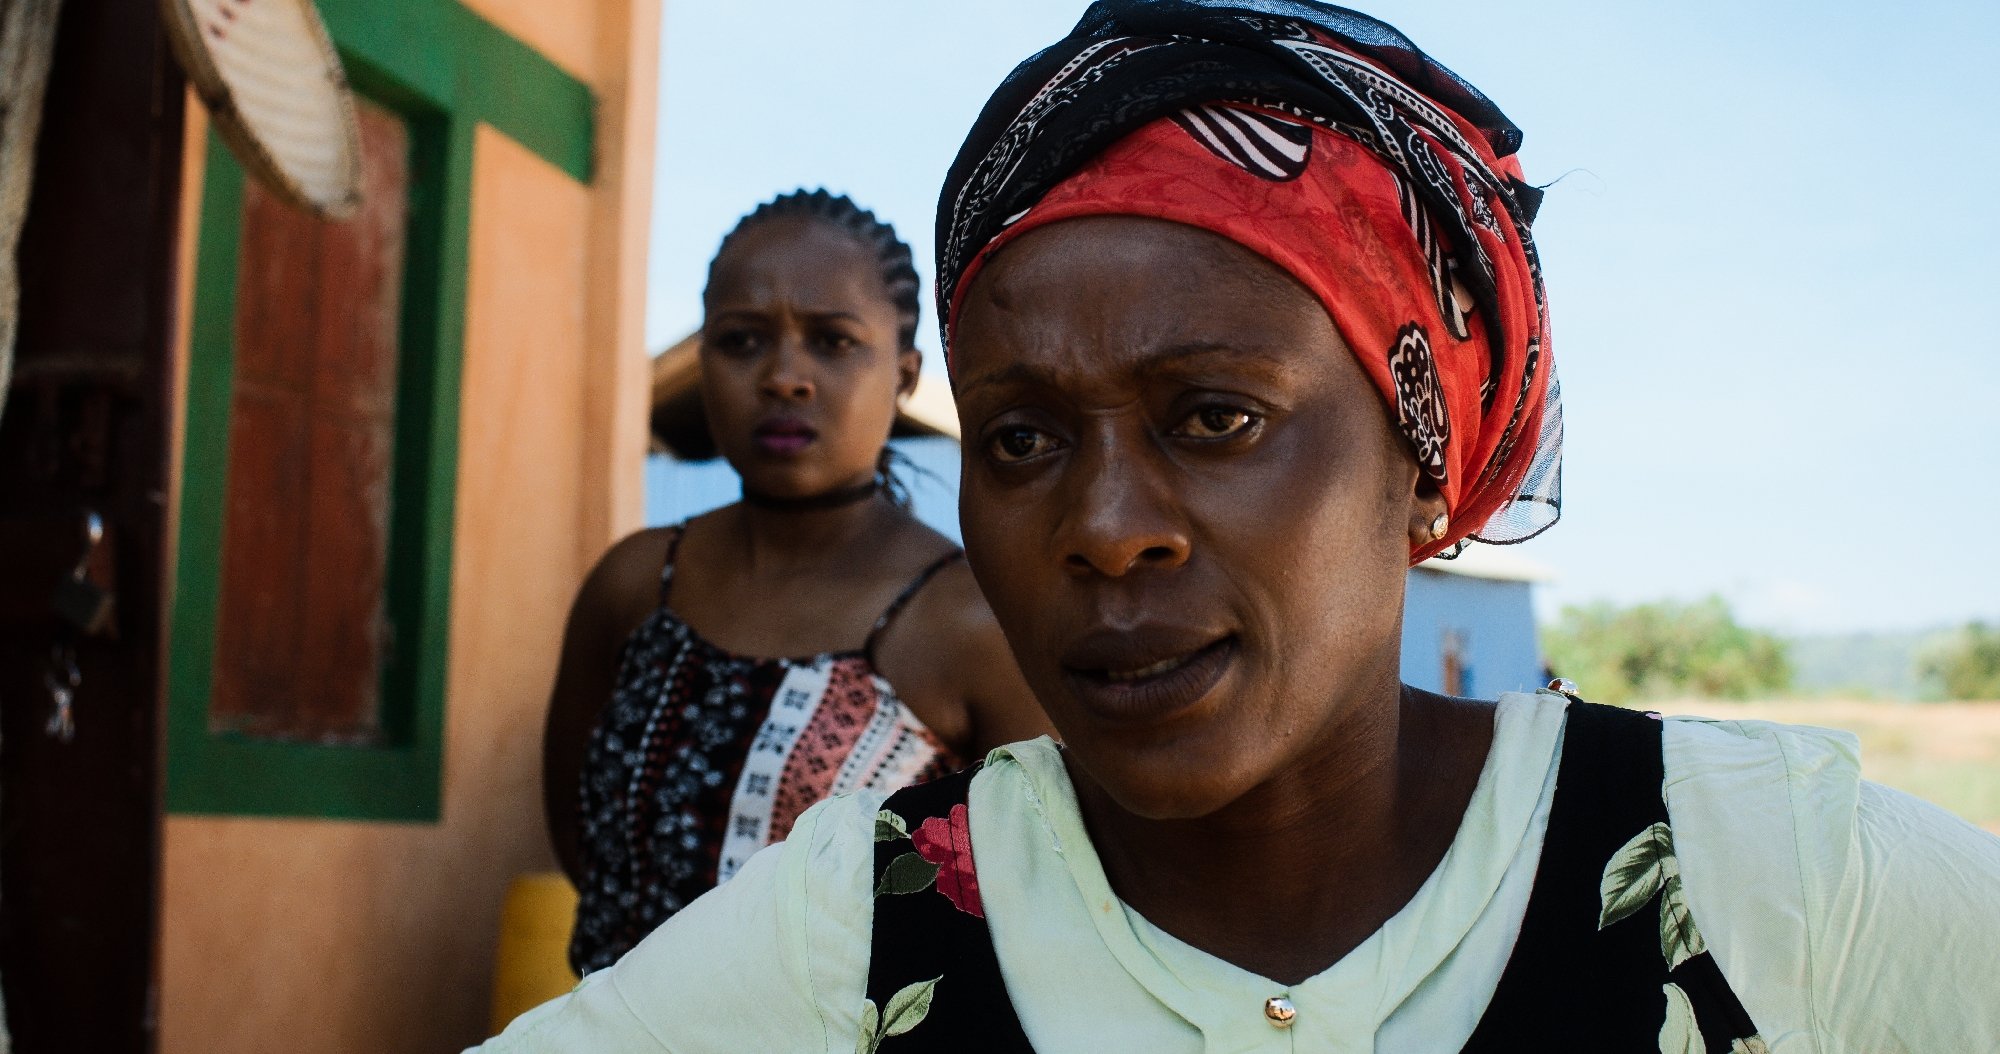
1427 513
909 364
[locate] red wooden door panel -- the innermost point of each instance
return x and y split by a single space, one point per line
302 626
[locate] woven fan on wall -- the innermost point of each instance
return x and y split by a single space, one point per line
272 82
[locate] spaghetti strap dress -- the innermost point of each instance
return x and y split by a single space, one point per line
703 756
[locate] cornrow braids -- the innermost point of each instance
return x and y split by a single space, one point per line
892 254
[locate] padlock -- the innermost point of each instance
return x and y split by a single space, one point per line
83 604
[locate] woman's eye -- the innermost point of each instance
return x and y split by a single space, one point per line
836 343
1014 445
734 341
1217 422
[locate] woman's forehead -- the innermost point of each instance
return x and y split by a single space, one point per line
1132 293
795 259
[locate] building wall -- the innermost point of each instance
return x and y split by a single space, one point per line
1493 619
322 936
566 33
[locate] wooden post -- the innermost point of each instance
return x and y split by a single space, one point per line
87 427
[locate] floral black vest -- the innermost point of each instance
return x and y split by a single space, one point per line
1608 948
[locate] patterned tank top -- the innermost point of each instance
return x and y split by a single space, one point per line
705 756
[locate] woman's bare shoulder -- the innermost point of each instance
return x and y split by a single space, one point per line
624 585
957 599
948 602
973 657
922 543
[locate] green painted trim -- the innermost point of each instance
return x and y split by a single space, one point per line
198 571
444 70
230 774
452 59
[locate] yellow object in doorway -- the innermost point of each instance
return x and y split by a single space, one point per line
532 964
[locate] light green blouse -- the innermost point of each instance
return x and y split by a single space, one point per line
1846 916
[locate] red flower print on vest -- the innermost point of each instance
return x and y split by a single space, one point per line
947 842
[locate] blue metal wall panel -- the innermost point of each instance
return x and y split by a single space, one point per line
1495 621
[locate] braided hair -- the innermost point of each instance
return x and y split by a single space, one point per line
892 254
899 280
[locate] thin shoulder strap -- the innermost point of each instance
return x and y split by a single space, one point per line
667 568
895 606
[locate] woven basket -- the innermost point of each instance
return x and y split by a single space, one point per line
272 82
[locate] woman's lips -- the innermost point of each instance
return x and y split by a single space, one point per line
784 437
1145 676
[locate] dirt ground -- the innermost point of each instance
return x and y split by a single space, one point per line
1948 753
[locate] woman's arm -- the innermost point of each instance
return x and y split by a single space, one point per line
616 596
1904 952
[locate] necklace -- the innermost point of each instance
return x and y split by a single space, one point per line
832 499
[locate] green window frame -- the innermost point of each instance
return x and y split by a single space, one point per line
443 70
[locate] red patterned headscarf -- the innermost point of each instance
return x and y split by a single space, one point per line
1404 215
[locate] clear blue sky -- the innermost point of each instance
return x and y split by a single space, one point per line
1771 256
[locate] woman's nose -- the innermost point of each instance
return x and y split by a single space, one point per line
1122 515
788 373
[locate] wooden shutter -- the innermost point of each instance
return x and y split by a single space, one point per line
302 629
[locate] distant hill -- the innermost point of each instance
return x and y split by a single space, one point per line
1859 665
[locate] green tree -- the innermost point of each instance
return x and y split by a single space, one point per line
1665 649
1964 664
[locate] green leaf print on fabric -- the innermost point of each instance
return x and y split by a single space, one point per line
1636 872
1645 866
1679 939
907 1009
908 873
889 826
871 1028
1640 868
1679 1034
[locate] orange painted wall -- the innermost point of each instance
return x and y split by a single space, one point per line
321 937
566 33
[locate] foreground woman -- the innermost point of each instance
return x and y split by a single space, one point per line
719 677
1244 318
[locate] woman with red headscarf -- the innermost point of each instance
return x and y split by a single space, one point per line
1243 314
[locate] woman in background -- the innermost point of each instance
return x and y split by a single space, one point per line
720 676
